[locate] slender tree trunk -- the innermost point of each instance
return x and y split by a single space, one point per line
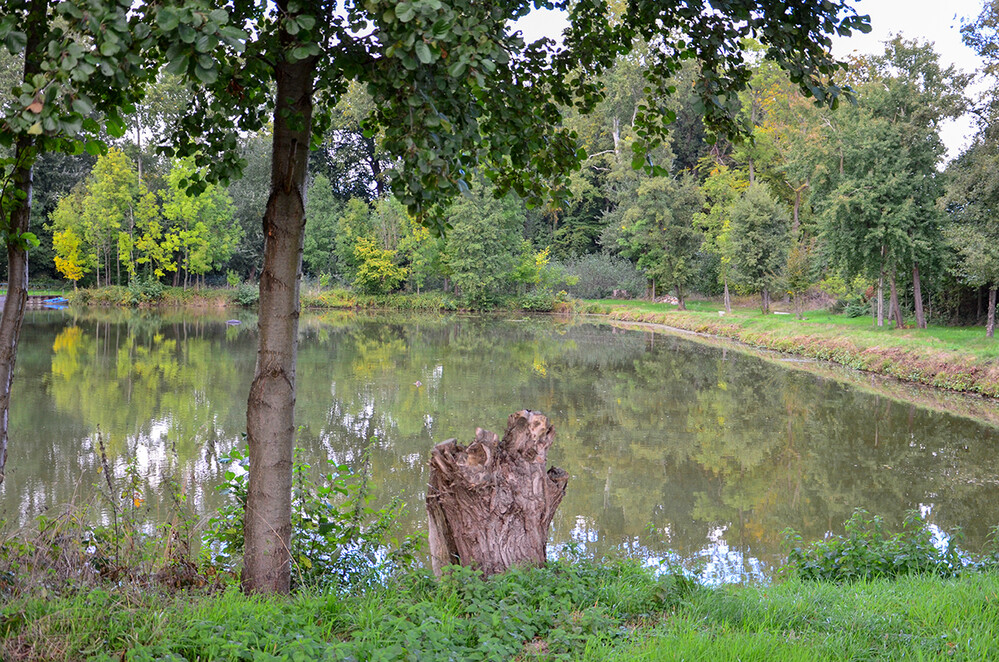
728 299
881 299
765 300
17 254
270 411
990 325
679 298
917 295
893 301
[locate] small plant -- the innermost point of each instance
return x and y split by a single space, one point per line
338 540
232 278
868 550
247 294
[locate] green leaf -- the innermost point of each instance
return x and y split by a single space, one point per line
423 52
92 147
405 11
167 19
206 76
30 239
219 16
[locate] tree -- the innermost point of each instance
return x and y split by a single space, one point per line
68 259
760 238
81 62
882 214
481 246
971 200
202 220
454 90
323 211
654 227
722 189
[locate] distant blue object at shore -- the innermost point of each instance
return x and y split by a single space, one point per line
233 322
55 301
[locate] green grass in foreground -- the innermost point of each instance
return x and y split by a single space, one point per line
567 611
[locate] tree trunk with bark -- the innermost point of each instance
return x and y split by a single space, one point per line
681 304
17 250
490 504
270 412
990 325
881 299
917 295
894 310
728 299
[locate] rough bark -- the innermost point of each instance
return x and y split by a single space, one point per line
728 299
917 292
893 308
990 325
681 304
270 412
17 254
490 504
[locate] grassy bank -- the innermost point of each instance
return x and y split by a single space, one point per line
567 611
961 359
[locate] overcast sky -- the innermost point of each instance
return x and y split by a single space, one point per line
929 20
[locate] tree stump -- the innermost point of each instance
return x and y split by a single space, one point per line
489 505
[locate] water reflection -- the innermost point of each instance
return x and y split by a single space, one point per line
679 452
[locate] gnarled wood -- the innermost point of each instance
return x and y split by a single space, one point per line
490 504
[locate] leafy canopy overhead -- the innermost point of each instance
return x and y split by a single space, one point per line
455 89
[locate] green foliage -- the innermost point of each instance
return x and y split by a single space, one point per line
868 550
597 275
339 542
377 272
482 245
760 238
247 294
322 212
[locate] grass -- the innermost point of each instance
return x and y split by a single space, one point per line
565 612
956 358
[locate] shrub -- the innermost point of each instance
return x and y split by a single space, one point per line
598 275
247 294
868 550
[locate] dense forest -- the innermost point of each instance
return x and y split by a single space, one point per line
852 206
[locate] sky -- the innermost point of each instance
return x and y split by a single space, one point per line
925 20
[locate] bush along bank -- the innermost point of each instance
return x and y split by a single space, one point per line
942 368
153 294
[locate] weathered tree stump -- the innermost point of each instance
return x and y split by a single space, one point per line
490 504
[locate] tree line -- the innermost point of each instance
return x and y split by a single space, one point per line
851 200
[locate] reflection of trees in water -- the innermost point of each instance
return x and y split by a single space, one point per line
671 445
150 389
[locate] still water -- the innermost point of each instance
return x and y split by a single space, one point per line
678 451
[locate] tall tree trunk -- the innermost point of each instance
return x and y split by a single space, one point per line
893 301
17 288
990 325
728 299
17 254
270 410
681 304
765 300
917 295
881 299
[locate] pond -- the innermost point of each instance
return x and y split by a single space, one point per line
679 450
